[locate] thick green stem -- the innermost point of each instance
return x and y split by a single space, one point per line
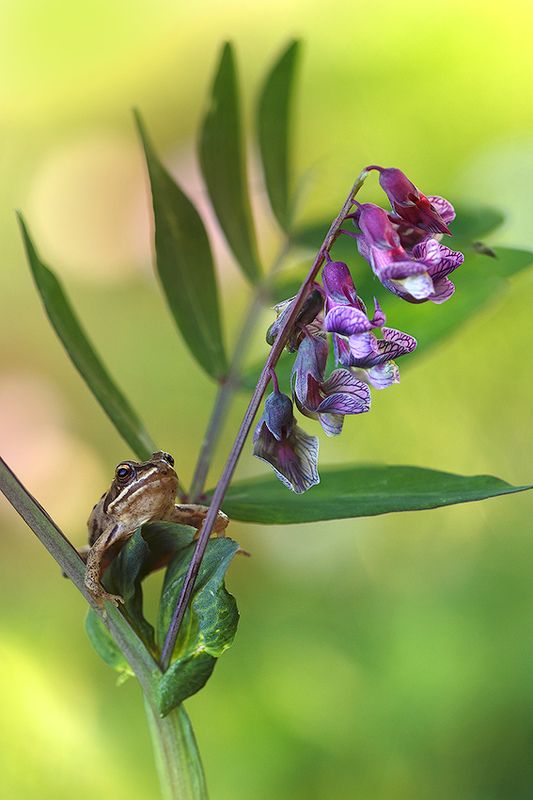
178 762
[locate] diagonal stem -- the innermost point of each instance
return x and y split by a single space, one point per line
246 424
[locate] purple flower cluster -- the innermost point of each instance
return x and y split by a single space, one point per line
404 251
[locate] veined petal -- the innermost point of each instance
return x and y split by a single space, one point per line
403 340
331 423
341 349
443 207
347 320
438 258
444 289
294 460
363 345
343 380
380 376
343 403
310 362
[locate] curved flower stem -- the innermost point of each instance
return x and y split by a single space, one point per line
231 383
246 424
178 762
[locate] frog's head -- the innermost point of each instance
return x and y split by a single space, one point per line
142 490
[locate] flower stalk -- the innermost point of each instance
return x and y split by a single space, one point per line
247 422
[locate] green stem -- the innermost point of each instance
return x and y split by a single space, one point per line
178 762
231 383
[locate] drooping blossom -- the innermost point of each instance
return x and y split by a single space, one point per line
410 205
328 400
410 235
310 315
357 348
415 276
290 451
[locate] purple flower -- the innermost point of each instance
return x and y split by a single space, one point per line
292 453
356 346
416 276
410 205
377 367
329 400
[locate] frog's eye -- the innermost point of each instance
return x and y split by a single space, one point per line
124 471
168 458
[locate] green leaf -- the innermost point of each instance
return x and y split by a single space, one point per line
222 157
273 125
105 645
479 281
185 265
208 627
82 353
143 553
472 223
358 491
123 577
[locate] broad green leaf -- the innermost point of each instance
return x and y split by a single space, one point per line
273 126
479 281
143 553
222 155
82 353
185 265
358 491
208 627
123 577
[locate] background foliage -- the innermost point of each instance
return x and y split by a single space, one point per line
375 657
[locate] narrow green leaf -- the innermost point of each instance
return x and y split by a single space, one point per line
222 155
185 265
209 625
273 125
358 491
82 353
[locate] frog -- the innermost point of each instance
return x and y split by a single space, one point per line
141 492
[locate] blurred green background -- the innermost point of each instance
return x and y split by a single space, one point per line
380 658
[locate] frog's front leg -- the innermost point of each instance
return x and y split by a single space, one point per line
194 516
94 566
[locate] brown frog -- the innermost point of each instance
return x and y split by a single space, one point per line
142 491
